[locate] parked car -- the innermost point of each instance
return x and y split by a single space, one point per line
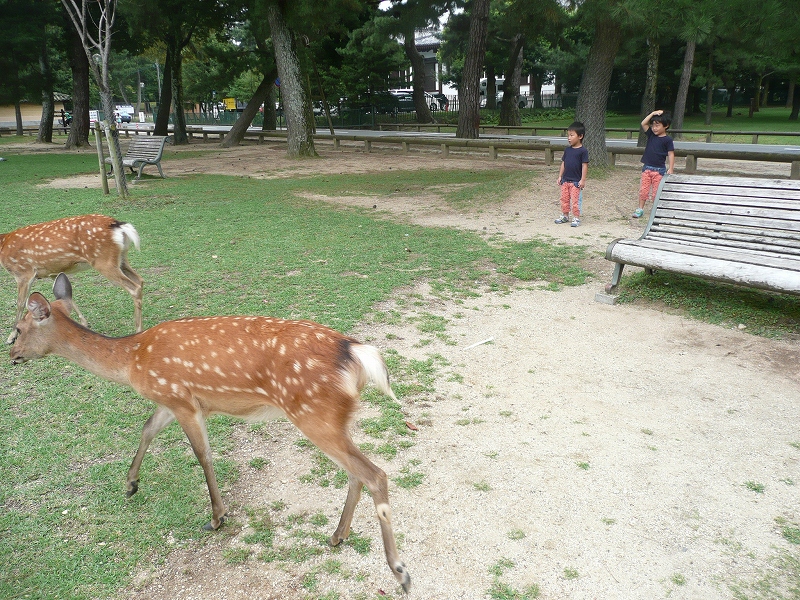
434 101
124 117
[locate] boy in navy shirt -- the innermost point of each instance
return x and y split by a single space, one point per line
572 174
659 148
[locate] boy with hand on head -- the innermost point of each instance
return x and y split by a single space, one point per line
659 147
572 174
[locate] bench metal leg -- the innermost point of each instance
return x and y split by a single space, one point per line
160 172
612 287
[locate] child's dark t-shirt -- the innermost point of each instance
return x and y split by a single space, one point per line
657 149
573 160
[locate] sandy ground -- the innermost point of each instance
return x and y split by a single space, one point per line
594 451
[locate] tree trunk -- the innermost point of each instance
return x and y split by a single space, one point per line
509 108
417 76
790 95
683 87
299 140
45 134
593 93
765 94
536 92
650 86
795 104
165 98
469 117
270 122
79 64
18 117
107 102
491 88
236 134
179 136
709 88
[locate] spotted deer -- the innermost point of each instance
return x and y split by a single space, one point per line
254 368
70 245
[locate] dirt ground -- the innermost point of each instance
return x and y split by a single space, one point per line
595 451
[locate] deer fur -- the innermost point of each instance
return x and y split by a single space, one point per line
254 368
70 245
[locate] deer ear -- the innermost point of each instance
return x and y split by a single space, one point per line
38 306
62 288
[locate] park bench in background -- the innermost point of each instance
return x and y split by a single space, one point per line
731 229
143 151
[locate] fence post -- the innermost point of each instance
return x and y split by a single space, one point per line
445 150
492 152
691 164
367 146
795 169
548 156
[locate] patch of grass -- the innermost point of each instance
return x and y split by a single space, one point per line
516 534
258 463
236 556
482 486
583 465
764 313
758 488
678 579
570 573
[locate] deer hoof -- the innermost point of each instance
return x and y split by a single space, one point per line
403 577
210 525
133 487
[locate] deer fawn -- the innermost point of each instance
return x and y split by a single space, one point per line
255 368
67 246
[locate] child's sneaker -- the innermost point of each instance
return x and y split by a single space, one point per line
562 219
638 213
575 222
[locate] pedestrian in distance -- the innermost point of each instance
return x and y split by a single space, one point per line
658 150
572 174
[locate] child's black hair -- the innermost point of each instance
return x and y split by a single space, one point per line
578 128
665 118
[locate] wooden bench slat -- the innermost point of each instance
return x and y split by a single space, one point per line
711 230
733 256
777 218
735 245
731 229
734 181
757 197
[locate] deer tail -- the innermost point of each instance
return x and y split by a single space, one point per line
125 234
373 367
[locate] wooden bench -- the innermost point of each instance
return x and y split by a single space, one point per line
143 151
731 229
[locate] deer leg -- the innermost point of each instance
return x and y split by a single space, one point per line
129 280
353 496
359 468
136 291
152 427
24 284
194 426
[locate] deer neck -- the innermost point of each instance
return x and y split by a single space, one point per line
106 357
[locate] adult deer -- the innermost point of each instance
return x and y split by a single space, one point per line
255 368
67 246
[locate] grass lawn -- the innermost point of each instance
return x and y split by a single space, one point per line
210 245
227 245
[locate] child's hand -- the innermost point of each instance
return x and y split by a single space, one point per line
581 184
559 181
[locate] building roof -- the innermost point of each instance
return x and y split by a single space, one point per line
427 39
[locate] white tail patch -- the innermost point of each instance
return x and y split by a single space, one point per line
128 231
374 367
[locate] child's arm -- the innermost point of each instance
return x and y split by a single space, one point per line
671 168
584 173
560 172
646 120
